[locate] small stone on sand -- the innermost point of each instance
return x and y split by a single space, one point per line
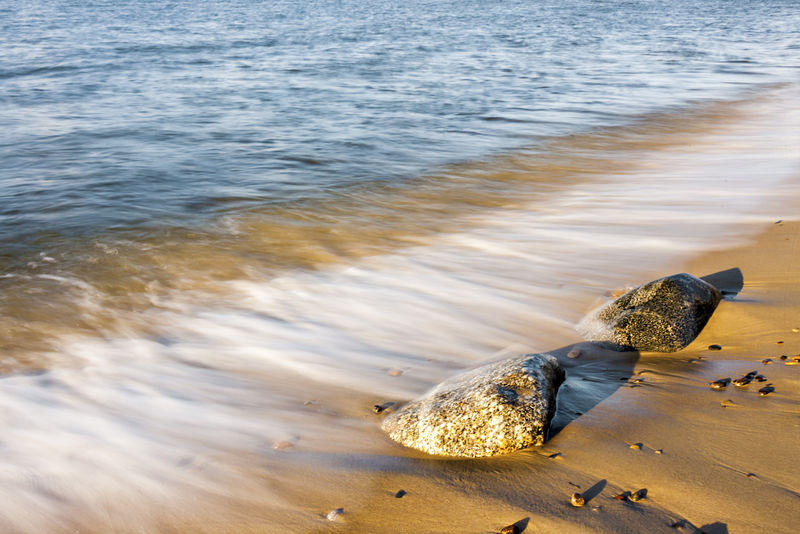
622 496
577 500
574 353
638 495
766 361
766 390
510 529
281 445
795 330
334 514
715 347
395 372
636 446
658 451
400 494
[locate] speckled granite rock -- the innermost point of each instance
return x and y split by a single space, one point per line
661 316
494 409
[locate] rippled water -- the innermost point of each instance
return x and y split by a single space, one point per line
222 224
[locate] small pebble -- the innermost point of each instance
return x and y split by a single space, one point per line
281 445
792 362
779 342
719 384
400 494
742 382
574 353
766 361
377 408
751 374
636 446
761 378
715 347
334 514
622 496
795 330
728 403
510 529
596 508
658 451
638 495
784 357
395 372
766 390
577 500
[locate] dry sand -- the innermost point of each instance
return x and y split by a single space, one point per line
627 421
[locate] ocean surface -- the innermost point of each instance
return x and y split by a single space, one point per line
228 228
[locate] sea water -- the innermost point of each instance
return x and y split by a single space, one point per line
227 228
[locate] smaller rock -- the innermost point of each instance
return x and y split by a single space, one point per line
658 451
574 353
728 403
779 342
622 496
766 361
400 494
282 445
636 446
795 330
715 347
760 378
377 408
333 515
510 529
395 372
577 500
638 495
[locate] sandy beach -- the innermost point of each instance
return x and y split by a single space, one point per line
718 461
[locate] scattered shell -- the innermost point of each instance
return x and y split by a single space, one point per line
638 495
400 494
282 445
658 451
574 353
577 500
395 372
333 514
510 529
622 496
715 347
766 361
766 390
637 446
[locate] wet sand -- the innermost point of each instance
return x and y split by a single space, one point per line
721 461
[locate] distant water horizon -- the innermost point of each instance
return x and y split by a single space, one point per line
228 227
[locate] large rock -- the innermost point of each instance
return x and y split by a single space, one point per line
494 409
661 316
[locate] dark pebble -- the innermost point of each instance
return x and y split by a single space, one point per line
719 384
622 496
377 408
715 347
638 495
784 357
766 390
400 494
761 378
510 529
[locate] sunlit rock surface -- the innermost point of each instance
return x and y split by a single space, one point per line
494 409
664 315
